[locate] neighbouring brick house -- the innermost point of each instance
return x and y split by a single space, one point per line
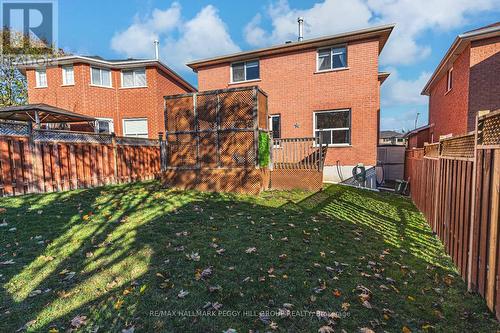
329 84
126 96
466 81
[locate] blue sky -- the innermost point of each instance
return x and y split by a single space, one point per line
190 30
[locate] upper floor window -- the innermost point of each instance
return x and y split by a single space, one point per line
68 75
449 80
41 78
245 71
332 58
100 77
134 78
333 126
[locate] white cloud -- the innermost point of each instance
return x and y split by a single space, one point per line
397 91
412 17
181 40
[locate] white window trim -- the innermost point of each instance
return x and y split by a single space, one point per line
99 85
231 81
335 129
449 83
331 69
64 77
111 121
135 136
37 78
133 70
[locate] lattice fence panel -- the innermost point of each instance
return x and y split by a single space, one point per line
13 129
237 149
489 129
432 150
237 109
460 147
180 114
208 150
181 150
206 108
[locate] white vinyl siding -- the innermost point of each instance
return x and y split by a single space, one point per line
134 78
41 78
100 77
137 127
68 75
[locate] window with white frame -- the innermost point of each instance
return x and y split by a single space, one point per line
332 58
334 126
104 125
134 78
245 71
137 127
275 125
449 80
68 75
100 77
41 78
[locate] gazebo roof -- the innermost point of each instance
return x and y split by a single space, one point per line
46 114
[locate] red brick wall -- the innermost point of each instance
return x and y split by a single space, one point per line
484 82
295 91
448 110
116 102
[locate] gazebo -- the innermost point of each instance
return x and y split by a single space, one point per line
38 114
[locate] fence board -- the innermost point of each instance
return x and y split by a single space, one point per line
59 160
455 183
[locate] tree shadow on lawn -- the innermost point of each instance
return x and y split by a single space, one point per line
130 261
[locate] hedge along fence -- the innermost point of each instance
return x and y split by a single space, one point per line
35 161
456 185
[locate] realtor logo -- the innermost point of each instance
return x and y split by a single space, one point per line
36 19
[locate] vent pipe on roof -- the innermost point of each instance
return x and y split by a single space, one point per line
301 28
157 49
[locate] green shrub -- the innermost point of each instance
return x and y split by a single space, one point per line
264 153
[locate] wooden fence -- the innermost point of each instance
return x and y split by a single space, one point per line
456 184
35 161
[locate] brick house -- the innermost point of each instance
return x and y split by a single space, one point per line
329 83
126 96
465 82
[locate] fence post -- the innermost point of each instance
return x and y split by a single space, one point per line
271 162
320 164
472 210
256 126
163 155
115 157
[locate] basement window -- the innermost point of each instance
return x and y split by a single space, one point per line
245 71
334 127
449 80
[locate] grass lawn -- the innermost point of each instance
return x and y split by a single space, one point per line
140 257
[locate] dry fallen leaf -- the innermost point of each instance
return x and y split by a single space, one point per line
78 321
182 293
325 329
251 250
337 293
405 329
